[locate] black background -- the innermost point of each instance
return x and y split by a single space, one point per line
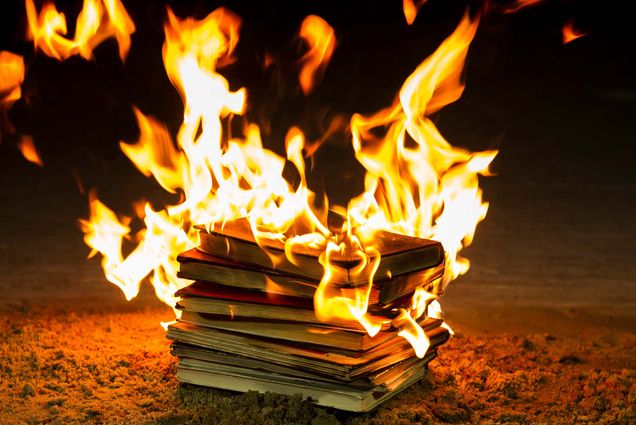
562 117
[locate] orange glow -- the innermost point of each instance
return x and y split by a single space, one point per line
98 20
570 33
321 41
11 77
518 5
429 190
28 150
411 8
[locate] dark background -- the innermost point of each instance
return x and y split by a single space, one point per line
560 231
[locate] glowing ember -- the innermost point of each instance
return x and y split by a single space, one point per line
98 20
429 190
321 40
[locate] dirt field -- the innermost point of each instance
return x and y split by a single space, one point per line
67 367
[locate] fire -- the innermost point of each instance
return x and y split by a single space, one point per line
429 190
98 20
517 5
28 150
570 33
321 40
11 77
411 8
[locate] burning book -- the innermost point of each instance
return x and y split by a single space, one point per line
282 302
250 324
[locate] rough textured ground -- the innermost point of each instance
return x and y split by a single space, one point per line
115 367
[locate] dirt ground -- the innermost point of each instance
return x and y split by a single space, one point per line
64 367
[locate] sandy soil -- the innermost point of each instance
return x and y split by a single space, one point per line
65 367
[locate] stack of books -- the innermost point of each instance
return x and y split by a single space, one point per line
248 320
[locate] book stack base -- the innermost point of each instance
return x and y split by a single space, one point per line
249 327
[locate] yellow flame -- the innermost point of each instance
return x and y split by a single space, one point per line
29 151
97 21
412 332
434 311
426 188
321 41
411 8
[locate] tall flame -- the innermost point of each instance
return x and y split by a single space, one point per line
98 20
321 40
430 190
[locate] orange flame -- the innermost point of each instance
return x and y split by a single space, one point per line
570 33
411 9
430 190
221 177
28 150
11 77
321 40
98 20
518 5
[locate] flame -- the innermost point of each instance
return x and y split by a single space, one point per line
429 190
570 33
411 8
321 41
518 5
28 150
434 311
98 20
11 77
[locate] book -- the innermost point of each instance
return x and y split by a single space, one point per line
197 265
399 254
298 332
248 322
345 364
232 302
372 379
339 396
